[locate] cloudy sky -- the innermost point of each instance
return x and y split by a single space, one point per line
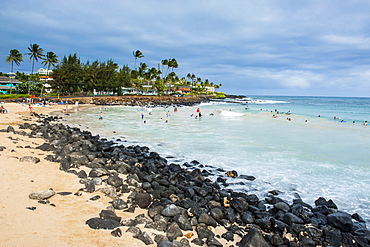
259 47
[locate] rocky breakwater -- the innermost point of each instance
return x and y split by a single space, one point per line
151 100
184 206
130 100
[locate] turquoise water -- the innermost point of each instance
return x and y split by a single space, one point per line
313 158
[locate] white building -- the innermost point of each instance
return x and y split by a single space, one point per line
45 78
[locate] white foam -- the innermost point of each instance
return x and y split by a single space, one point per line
260 101
231 114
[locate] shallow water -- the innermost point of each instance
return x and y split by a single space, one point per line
320 157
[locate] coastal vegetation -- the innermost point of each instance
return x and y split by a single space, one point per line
71 76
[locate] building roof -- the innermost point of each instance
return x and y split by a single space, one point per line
4 79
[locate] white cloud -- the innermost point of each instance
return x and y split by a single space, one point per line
287 45
355 42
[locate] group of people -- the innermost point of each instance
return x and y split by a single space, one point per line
198 114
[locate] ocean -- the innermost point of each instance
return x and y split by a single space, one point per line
322 151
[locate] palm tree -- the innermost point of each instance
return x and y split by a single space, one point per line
14 57
137 54
35 53
173 64
50 60
164 63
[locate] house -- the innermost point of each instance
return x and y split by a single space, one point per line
45 78
8 84
184 90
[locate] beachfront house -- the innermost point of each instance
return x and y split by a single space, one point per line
45 78
209 89
8 84
184 90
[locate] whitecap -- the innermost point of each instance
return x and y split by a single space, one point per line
231 114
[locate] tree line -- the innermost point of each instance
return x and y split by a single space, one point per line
71 76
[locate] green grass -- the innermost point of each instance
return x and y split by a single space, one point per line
14 96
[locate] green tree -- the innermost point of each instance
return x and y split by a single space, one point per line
68 75
35 54
153 74
173 64
164 62
14 57
28 87
50 60
124 79
90 76
137 54
159 85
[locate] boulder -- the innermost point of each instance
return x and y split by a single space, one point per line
115 181
134 230
282 206
216 213
10 129
333 236
98 172
183 222
119 204
247 177
108 214
239 204
341 220
98 223
81 174
253 238
42 195
46 147
173 231
206 219
322 201
90 187
30 159
171 210
290 218
116 233
232 174
203 232
145 238
143 200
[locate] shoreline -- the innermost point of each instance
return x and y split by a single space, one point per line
27 222
129 100
241 210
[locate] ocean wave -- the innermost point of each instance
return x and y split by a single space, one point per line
231 114
261 101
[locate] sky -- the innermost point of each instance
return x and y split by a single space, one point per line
259 47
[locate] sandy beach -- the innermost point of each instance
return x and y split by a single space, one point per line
176 203
62 225
61 222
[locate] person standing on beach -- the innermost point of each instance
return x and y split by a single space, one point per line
101 116
30 108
